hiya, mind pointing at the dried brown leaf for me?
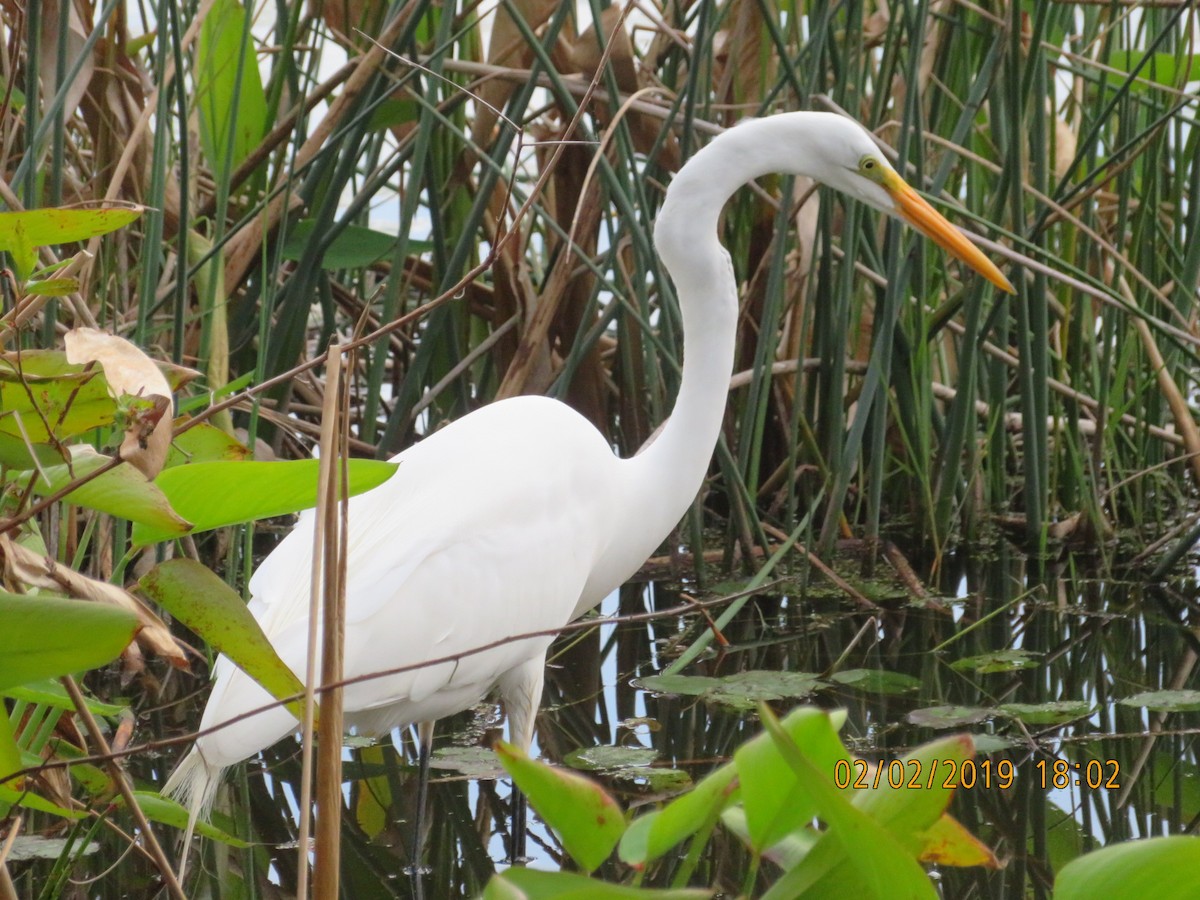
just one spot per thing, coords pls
(130, 371)
(32, 569)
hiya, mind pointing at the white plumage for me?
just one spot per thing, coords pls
(518, 517)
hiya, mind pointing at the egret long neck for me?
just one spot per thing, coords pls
(668, 473)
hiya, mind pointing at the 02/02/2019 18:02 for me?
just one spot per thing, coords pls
(860, 774)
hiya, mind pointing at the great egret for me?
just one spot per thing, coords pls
(519, 517)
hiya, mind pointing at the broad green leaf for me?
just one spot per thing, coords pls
(123, 491)
(775, 800)
(836, 866)
(48, 227)
(10, 797)
(214, 494)
(229, 91)
(10, 753)
(372, 797)
(204, 443)
(40, 403)
(163, 809)
(51, 693)
(1160, 68)
(52, 287)
(355, 247)
(52, 397)
(211, 608)
(532, 884)
(915, 790)
(587, 820)
(15, 453)
(1164, 868)
(43, 637)
(21, 233)
(652, 835)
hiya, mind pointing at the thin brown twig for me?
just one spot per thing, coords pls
(165, 869)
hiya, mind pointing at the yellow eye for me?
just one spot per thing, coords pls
(871, 167)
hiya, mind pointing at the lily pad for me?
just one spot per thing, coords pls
(606, 759)
(1165, 701)
(687, 685)
(998, 661)
(742, 690)
(877, 681)
(629, 764)
(1055, 712)
(474, 762)
(949, 716)
(993, 743)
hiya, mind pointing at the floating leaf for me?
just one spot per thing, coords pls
(1054, 712)
(877, 681)
(949, 716)
(998, 661)
(605, 758)
(1165, 701)
(993, 743)
(629, 764)
(43, 637)
(587, 820)
(688, 685)
(212, 609)
(214, 494)
(742, 690)
(474, 762)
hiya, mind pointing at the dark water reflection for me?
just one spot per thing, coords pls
(1084, 639)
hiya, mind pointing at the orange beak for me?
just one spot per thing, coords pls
(927, 220)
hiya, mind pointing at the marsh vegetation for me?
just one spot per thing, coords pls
(935, 506)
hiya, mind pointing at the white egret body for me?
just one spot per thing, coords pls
(519, 517)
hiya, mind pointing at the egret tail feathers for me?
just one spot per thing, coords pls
(194, 784)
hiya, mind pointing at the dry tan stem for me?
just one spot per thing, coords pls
(330, 545)
(1180, 411)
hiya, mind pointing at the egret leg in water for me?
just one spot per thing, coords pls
(518, 517)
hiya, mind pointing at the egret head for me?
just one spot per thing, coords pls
(849, 161)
